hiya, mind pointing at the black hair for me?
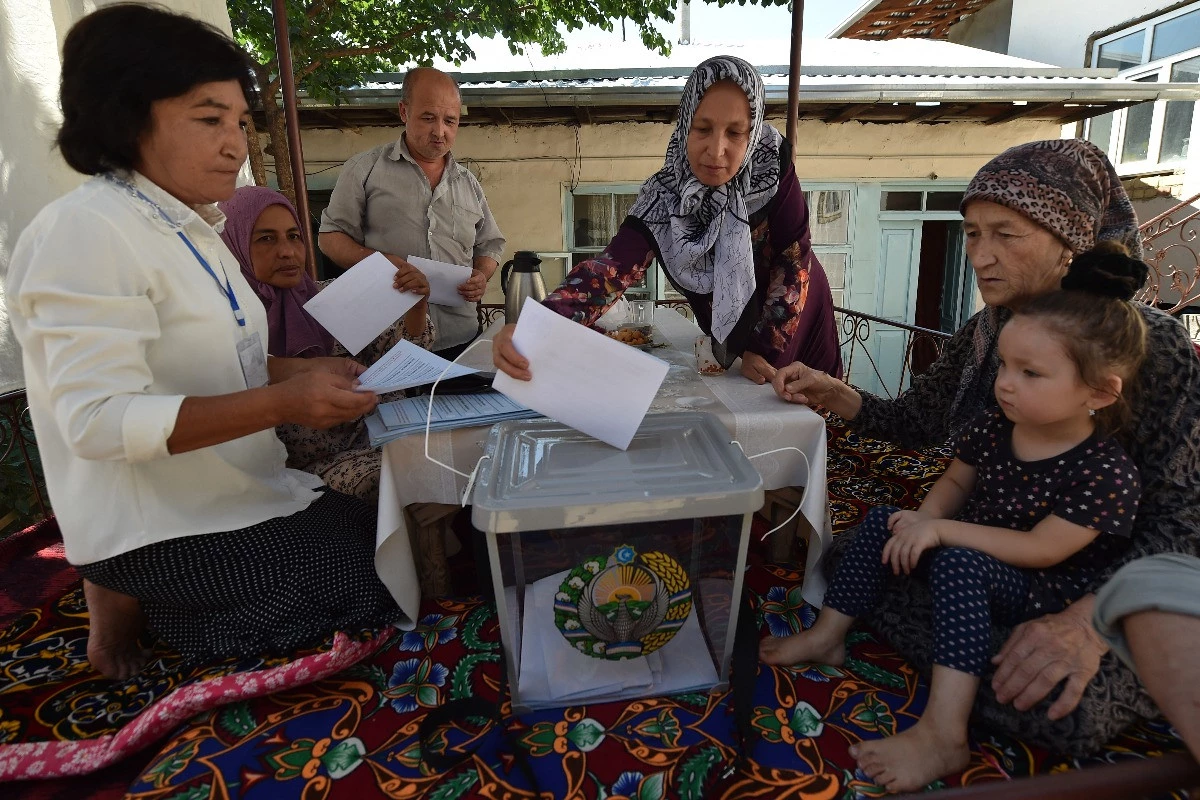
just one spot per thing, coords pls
(1093, 318)
(119, 60)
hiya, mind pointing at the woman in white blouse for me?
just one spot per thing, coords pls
(151, 394)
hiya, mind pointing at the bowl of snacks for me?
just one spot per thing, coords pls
(634, 336)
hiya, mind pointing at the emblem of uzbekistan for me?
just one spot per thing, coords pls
(624, 605)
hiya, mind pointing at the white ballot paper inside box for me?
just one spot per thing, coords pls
(406, 365)
(361, 304)
(444, 280)
(582, 378)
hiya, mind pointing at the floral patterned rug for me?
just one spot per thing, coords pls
(352, 727)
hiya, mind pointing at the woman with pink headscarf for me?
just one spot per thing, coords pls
(262, 230)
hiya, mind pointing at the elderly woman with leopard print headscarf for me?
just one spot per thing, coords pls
(1026, 214)
(726, 218)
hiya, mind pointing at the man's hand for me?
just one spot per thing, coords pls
(906, 546)
(472, 288)
(408, 278)
(1042, 653)
(757, 368)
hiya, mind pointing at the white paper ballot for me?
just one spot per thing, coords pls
(407, 365)
(444, 280)
(582, 378)
(361, 304)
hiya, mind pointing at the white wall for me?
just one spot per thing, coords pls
(1057, 32)
(31, 172)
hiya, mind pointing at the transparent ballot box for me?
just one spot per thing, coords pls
(618, 574)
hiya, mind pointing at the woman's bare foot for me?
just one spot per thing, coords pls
(116, 622)
(807, 647)
(910, 761)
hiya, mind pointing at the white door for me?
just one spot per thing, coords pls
(895, 301)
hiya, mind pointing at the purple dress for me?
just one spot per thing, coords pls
(792, 314)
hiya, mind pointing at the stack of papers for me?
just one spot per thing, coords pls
(554, 674)
(403, 417)
(406, 365)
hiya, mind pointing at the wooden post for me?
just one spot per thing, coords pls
(287, 82)
(793, 107)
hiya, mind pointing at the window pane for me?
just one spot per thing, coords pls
(1177, 123)
(1122, 53)
(1176, 35)
(621, 205)
(900, 201)
(593, 220)
(943, 201)
(829, 216)
(1099, 131)
(1138, 120)
(835, 268)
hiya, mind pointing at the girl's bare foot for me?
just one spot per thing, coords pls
(910, 761)
(115, 623)
(807, 647)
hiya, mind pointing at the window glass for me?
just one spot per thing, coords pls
(1099, 130)
(1122, 53)
(1138, 120)
(835, 268)
(1177, 121)
(593, 220)
(829, 216)
(900, 201)
(1176, 35)
(943, 201)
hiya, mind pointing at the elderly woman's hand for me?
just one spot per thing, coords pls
(506, 358)
(757, 368)
(798, 383)
(321, 398)
(1042, 653)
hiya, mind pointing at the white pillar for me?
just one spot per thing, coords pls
(32, 173)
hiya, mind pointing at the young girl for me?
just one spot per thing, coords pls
(1038, 499)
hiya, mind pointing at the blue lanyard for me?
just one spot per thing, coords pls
(227, 289)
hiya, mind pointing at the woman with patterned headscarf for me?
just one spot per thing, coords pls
(726, 218)
(1027, 213)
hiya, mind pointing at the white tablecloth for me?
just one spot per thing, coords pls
(754, 416)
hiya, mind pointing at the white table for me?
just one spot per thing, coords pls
(754, 416)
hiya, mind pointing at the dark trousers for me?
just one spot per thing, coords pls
(969, 590)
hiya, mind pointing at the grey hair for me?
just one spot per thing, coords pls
(413, 75)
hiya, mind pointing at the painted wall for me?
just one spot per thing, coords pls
(31, 172)
(527, 171)
(1051, 32)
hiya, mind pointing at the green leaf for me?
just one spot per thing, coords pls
(456, 786)
(460, 684)
(874, 674)
(202, 792)
(653, 787)
(806, 721)
(474, 624)
(695, 771)
(237, 719)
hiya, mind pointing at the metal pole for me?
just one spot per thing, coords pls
(793, 110)
(287, 82)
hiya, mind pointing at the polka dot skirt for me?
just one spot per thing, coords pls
(274, 587)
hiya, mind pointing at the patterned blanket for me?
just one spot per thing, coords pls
(345, 719)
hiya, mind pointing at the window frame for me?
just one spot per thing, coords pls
(819, 250)
(652, 288)
(1162, 68)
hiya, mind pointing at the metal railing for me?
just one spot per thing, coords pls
(22, 479)
(1171, 246)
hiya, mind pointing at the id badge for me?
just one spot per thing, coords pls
(254, 363)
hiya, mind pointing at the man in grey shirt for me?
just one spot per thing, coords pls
(411, 198)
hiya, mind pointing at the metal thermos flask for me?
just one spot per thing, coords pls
(521, 278)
